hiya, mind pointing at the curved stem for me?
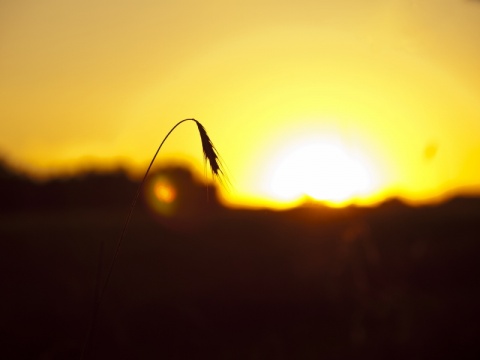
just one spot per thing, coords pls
(132, 206)
(119, 241)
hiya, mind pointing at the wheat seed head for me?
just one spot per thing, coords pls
(209, 151)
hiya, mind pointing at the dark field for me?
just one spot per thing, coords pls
(391, 282)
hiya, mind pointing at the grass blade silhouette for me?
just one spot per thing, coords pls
(210, 155)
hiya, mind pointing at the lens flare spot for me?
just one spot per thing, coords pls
(161, 195)
(164, 192)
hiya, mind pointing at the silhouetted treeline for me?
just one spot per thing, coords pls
(95, 190)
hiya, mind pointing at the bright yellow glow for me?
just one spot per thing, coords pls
(102, 82)
(322, 169)
(164, 192)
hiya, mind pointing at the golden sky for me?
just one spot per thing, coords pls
(384, 93)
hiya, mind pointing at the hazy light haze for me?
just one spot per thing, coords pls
(394, 82)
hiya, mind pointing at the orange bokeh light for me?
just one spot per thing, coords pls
(164, 192)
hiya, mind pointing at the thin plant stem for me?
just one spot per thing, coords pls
(210, 154)
(132, 206)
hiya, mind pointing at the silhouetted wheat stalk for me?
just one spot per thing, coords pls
(210, 155)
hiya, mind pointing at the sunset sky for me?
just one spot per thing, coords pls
(341, 101)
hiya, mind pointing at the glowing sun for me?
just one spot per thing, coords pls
(322, 169)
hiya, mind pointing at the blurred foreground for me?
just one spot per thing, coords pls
(202, 281)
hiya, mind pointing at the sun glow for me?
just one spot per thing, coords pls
(322, 169)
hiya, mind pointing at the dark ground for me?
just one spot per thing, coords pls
(391, 282)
